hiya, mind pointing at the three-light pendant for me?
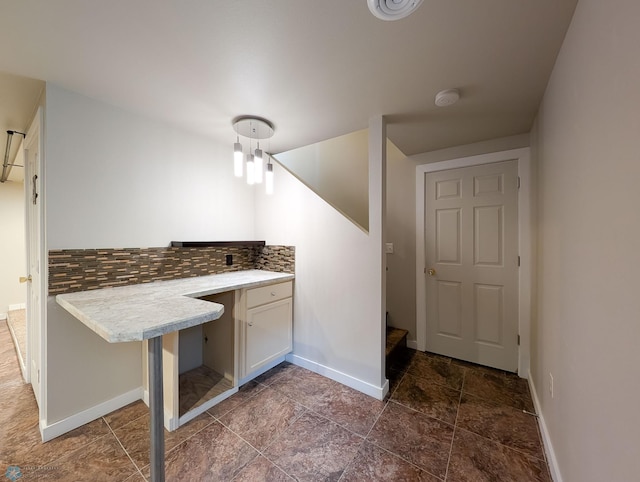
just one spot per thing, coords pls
(254, 128)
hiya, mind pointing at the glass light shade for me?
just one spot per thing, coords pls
(258, 166)
(250, 170)
(268, 179)
(237, 159)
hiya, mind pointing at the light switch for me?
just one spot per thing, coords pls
(388, 248)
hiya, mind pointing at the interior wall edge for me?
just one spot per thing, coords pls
(552, 460)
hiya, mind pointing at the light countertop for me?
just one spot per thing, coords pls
(143, 311)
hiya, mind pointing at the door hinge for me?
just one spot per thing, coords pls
(518, 261)
(518, 182)
(518, 340)
(34, 189)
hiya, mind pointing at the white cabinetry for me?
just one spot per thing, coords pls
(207, 363)
(199, 364)
(267, 328)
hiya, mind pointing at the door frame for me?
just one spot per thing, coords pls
(36, 128)
(525, 231)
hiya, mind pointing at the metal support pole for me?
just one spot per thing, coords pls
(156, 406)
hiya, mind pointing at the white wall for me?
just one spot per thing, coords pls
(336, 169)
(401, 221)
(588, 308)
(338, 291)
(115, 179)
(12, 246)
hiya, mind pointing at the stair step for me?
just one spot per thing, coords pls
(395, 337)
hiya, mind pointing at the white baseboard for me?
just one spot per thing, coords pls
(187, 417)
(261, 370)
(546, 439)
(3, 316)
(348, 380)
(171, 423)
(19, 306)
(49, 432)
(412, 344)
(21, 356)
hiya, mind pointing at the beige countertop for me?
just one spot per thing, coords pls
(143, 311)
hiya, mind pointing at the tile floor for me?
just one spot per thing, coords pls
(443, 420)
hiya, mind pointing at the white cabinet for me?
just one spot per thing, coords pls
(207, 363)
(199, 364)
(267, 328)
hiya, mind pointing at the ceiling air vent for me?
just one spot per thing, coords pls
(393, 9)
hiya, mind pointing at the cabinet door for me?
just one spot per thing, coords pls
(268, 334)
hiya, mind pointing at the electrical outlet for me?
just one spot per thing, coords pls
(551, 385)
(389, 248)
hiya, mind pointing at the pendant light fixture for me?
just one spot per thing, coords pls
(251, 170)
(259, 165)
(268, 178)
(254, 128)
(238, 158)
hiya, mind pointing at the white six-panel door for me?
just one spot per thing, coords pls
(33, 190)
(471, 237)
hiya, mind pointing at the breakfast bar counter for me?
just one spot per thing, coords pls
(143, 311)
(150, 310)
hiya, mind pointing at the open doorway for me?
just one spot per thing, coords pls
(19, 114)
(13, 258)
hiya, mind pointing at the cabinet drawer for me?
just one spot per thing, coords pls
(267, 294)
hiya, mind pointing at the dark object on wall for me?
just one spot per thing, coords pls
(214, 244)
(6, 167)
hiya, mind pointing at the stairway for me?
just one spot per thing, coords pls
(396, 341)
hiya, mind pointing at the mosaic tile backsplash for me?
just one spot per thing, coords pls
(89, 269)
(280, 259)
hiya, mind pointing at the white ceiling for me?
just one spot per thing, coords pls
(317, 69)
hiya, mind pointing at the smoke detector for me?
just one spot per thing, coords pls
(393, 9)
(447, 97)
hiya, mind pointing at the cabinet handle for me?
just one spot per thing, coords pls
(273, 293)
(250, 323)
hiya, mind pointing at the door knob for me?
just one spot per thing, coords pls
(431, 272)
(24, 280)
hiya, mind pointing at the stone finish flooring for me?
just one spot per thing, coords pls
(443, 420)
